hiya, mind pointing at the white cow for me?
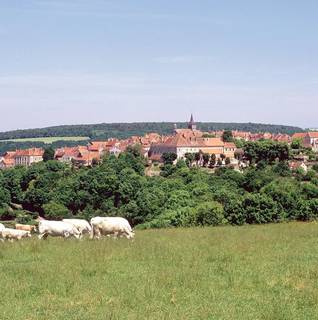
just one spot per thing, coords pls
(57, 229)
(2, 227)
(25, 227)
(107, 226)
(13, 234)
(82, 225)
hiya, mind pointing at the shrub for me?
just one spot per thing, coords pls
(24, 217)
(210, 214)
(4, 197)
(54, 210)
(233, 211)
(308, 210)
(181, 217)
(259, 208)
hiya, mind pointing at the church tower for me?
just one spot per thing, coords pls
(192, 126)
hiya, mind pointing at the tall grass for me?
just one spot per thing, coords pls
(252, 272)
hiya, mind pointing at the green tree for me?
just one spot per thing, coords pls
(210, 214)
(169, 157)
(227, 136)
(259, 209)
(212, 160)
(48, 154)
(53, 210)
(296, 144)
(206, 159)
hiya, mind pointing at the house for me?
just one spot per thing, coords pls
(241, 135)
(102, 146)
(309, 139)
(87, 157)
(80, 155)
(299, 135)
(28, 156)
(282, 138)
(7, 160)
(191, 140)
(66, 154)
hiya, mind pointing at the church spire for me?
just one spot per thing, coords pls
(192, 124)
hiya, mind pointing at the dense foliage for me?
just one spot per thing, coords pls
(181, 196)
(125, 130)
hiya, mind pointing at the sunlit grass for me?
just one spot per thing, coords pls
(252, 272)
(47, 140)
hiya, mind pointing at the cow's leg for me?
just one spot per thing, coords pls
(43, 236)
(97, 233)
(66, 235)
(115, 235)
(91, 235)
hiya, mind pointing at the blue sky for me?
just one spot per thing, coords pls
(80, 61)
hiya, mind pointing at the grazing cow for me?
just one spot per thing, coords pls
(57, 229)
(2, 227)
(82, 225)
(107, 226)
(25, 227)
(13, 234)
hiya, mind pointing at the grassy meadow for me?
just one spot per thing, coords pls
(251, 272)
(47, 140)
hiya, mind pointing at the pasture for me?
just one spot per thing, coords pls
(47, 140)
(251, 272)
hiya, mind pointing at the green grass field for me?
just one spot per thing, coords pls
(253, 272)
(47, 140)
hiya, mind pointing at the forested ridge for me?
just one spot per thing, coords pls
(125, 130)
(267, 191)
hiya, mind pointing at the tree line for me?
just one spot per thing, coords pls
(125, 130)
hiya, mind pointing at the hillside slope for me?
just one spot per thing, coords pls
(124, 130)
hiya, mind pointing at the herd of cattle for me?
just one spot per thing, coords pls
(98, 226)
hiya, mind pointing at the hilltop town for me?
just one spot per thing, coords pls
(222, 145)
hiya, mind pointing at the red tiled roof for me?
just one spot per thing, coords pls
(313, 134)
(299, 135)
(88, 156)
(29, 152)
(66, 151)
(229, 145)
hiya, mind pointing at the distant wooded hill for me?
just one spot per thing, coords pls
(125, 130)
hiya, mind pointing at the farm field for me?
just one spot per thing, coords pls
(251, 272)
(47, 140)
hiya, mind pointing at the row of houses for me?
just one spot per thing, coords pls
(308, 139)
(21, 157)
(154, 145)
(249, 136)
